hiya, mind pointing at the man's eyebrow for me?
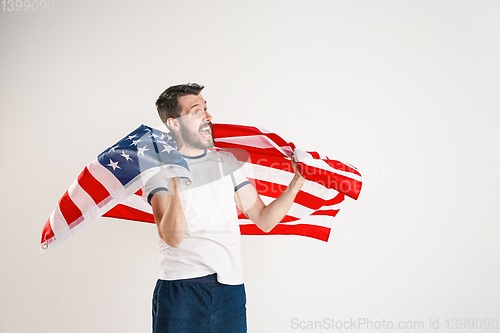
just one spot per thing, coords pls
(196, 106)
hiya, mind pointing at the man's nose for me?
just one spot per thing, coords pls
(208, 116)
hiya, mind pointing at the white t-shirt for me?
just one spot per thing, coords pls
(211, 242)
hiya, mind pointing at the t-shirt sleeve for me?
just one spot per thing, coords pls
(240, 179)
(155, 184)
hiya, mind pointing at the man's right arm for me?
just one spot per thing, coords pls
(168, 213)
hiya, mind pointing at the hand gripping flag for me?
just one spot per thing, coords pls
(110, 185)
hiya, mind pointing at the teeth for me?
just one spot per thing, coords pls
(205, 131)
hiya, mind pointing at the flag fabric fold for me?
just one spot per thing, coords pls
(266, 161)
(110, 185)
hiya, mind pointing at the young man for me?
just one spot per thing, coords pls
(200, 288)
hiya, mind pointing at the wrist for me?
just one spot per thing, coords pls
(297, 182)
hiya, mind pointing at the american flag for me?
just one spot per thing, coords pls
(110, 185)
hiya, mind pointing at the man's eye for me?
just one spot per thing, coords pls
(196, 113)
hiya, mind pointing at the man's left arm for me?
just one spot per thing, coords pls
(267, 217)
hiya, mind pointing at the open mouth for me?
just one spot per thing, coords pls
(206, 131)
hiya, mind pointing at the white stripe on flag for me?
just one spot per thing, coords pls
(57, 221)
(256, 141)
(81, 199)
(138, 203)
(284, 177)
(313, 221)
(104, 176)
(307, 158)
(298, 210)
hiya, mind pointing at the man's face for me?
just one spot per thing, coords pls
(196, 127)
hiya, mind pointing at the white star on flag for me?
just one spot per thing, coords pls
(113, 164)
(112, 149)
(140, 151)
(127, 157)
(167, 148)
(135, 142)
(132, 136)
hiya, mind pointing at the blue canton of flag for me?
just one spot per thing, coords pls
(141, 150)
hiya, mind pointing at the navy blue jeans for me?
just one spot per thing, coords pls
(185, 307)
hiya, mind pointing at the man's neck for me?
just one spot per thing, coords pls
(190, 150)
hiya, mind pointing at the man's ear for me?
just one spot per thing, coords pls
(173, 124)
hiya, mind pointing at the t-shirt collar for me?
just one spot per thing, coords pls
(196, 157)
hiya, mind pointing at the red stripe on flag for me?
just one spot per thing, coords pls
(314, 155)
(121, 211)
(69, 210)
(92, 186)
(269, 157)
(227, 131)
(327, 212)
(286, 218)
(268, 189)
(274, 190)
(314, 202)
(47, 232)
(341, 166)
(318, 232)
(255, 151)
(346, 185)
(222, 130)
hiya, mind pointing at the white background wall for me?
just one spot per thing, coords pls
(408, 91)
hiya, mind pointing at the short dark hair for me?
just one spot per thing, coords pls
(168, 105)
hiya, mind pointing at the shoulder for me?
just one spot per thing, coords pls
(223, 156)
(231, 155)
